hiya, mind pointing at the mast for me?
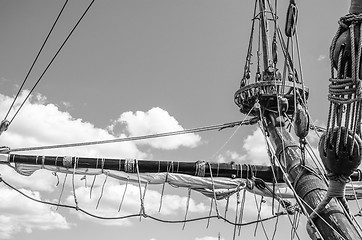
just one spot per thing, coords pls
(310, 187)
(263, 99)
(264, 34)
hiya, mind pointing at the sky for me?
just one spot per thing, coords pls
(134, 68)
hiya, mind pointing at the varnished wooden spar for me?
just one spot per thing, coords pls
(311, 188)
(228, 170)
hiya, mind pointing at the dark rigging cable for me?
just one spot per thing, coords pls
(52, 60)
(127, 139)
(139, 214)
(36, 58)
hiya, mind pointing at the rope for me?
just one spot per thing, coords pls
(336, 189)
(187, 207)
(36, 58)
(249, 54)
(298, 199)
(61, 192)
(213, 189)
(258, 206)
(73, 183)
(91, 189)
(248, 121)
(241, 214)
(142, 210)
(52, 60)
(124, 194)
(143, 137)
(136, 215)
(102, 190)
(236, 213)
(269, 147)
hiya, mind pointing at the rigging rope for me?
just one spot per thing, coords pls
(36, 58)
(127, 139)
(340, 147)
(52, 60)
(144, 215)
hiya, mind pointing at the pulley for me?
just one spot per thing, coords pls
(283, 104)
(301, 122)
(291, 20)
(4, 126)
(342, 49)
(275, 49)
(336, 154)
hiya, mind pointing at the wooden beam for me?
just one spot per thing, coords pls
(228, 170)
(264, 34)
(310, 187)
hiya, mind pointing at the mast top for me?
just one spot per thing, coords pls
(272, 91)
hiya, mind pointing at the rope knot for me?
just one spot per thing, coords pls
(4, 149)
(129, 165)
(67, 162)
(200, 168)
(4, 126)
(349, 19)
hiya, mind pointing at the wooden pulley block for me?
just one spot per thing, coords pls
(344, 162)
(291, 21)
(283, 104)
(301, 122)
(343, 46)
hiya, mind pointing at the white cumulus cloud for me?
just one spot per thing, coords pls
(254, 151)
(112, 196)
(21, 214)
(41, 123)
(154, 121)
(208, 238)
(321, 57)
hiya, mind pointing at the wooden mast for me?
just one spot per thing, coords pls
(264, 34)
(309, 186)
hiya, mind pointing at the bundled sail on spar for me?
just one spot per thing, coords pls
(218, 180)
(276, 98)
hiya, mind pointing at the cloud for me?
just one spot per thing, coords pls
(208, 238)
(251, 205)
(154, 121)
(255, 147)
(41, 180)
(41, 123)
(321, 57)
(21, 214)
(110, 201)
(254, 151)
(231, 156)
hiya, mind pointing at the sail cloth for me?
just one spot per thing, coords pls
(222, 186)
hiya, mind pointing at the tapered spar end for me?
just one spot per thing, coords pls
(4, 158)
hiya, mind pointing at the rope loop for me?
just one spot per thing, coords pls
(129, 166)
(350, 19)
(67, 162)
(200, 168)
